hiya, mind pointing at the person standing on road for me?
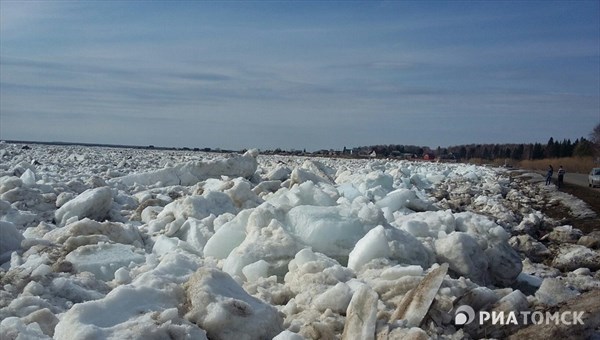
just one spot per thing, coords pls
(561, 175)
(549, 174)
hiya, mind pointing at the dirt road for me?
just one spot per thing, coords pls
(577, 179)
(571, 178)
(577, 185)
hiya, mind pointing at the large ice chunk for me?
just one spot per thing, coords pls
(300, 176)
(10, 240)
(221, 307)
(313, 273)
(128, 312)
(230, 235)
(335, 298)
(281, 173)
(16, 328)
(196, 233)
(572, 257)
(415, 305)
(427, 223)
(199, 207)
(504, 263)
(92, 203)
(242, 195)
(89, 231)
(402, 198)
(191, 173)
(8, 183)
(271, 243)
(28, 177)
(361, 315)
(464, 255)
(330, 230)
(307, 193)
(373, 245)
(104, 259)
(554, 291)
(389, 243)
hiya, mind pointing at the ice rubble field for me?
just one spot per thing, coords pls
(122, 243)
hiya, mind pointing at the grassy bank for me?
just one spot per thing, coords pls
(581, 165)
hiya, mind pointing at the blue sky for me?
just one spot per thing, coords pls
(307, 74)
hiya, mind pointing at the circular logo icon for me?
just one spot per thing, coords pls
(464, 315)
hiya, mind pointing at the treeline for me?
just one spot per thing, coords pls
(553, 149)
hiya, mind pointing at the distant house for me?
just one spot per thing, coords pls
(429, 157)
(364, 153)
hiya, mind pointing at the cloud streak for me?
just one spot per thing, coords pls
(297, 75)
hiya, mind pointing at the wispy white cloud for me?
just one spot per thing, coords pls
(325, 75)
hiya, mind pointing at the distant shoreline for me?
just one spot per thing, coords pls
(119, 146)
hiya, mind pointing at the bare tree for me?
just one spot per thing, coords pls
(595, 137)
